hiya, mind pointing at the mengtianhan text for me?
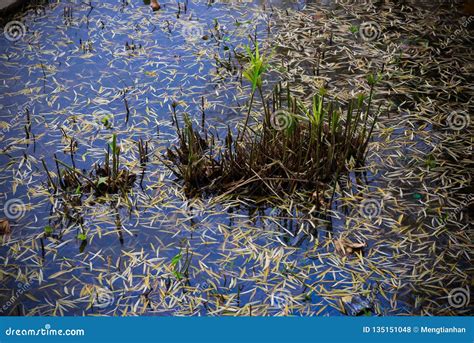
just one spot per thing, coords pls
(442, 329)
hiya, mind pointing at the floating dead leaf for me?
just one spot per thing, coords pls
(4, 226)
(347, 247)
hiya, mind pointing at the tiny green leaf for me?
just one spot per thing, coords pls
(176, 259)
(354, 29)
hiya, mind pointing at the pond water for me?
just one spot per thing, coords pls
(83, 72)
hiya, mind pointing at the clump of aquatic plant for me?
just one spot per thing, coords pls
(299, 147)
(189, 157)
(109, 177)
(106, 178)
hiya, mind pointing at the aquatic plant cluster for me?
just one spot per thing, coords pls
(103, 179)
(236, 159)
(296, 146)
